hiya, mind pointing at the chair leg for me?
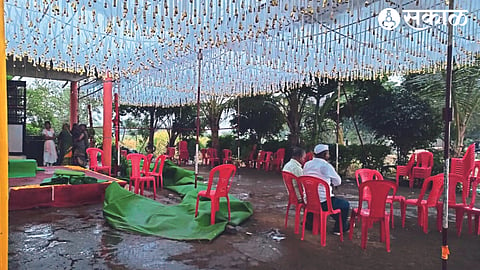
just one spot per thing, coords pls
(316, 221)
(364, 233)
(286, 215)
(425, 219)
(323, 229)
(387, 233)
(439, 216)
(196, 207)
(382, 230)
(213, 210)
(303, 225)
(411, 181)
(391, 214)
(341, 227)
(298, 211)
(469, 221)
(459, 220)
(154, 189)
(352, 224)
(403, 209)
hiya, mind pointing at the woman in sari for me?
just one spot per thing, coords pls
(65, 145)
(80, 144)
(49, 150)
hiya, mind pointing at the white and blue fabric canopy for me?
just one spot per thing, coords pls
(151, 47)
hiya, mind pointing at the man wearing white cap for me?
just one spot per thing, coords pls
(319, 167)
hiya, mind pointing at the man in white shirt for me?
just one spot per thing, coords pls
(319, 167)
(294, 166)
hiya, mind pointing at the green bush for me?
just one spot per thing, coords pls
(371, 156)
(438, 161)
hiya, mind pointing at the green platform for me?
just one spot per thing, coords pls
(22, 168)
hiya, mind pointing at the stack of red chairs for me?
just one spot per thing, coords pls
(213, 159)
(170, 153)
(250, 162)
(183, 154)
(278, 159)
(423, 168)
(406, 170)
(464, 166)
(204, 156)
(227, 156)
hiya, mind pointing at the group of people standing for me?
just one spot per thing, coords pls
(320, 167)
(72, 145)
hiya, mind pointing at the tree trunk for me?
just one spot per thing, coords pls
(151, 135)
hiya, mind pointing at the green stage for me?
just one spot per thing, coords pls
(18, 168)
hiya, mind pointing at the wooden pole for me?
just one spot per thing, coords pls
(338, 125)
(73, 103)
(3, 147)
(117, 132)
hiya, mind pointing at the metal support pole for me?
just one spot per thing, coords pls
(117, 132)
(447, 116)
(338, 125)
(198, 114)
(73, 103)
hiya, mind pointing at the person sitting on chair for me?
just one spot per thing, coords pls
(319, 167)
(294, 166)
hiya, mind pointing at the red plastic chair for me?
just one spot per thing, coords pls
(423, 168)
(406, 170)
(266, 161)
(308, 156)
(226, 172)
(376, 211)
(453, 180)
(227, 156)
(212, 157)
(158, 170)
(364, 175)
(278, 159)
(171, 153)
(93, 161)
(183, 154)
(136, 174)
(471, 210)
(204, 156)
(431, 201)
(146, 164)
(251, 157)
(288, 179)
(310, 187)
(464, 166)
(260, 159)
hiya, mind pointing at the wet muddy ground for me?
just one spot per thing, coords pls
(79, 238)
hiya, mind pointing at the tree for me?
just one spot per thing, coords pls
(46, 101)
(213, 109)
(465, 97)
(259, 118)
(398, 114)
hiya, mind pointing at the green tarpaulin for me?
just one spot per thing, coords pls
(128, 211)
(64, 177)
(22, 168)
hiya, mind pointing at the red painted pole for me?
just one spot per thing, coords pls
(107, 120)
(117, 131)
(73, 103)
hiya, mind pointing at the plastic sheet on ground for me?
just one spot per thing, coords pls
(125, 210)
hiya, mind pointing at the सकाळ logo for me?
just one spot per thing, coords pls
(389, 19)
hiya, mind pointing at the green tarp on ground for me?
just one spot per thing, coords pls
(22, 168)
(65, 177)
(125, 210)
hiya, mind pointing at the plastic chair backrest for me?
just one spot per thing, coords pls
(280, 155)
(171, 152)
(453, 180)
(159, 162)
(227, 153)
(226, 172)
(435, 192)
(261, 155)
(379, 191)
(212, 153)
(425, 159)
(474, 192)
(288, 179)
(252, 153)
(364, 175)
(182, 146)
(268, 156)
(135, 161)
(93, 157)
(410, 162)
(310, 188)
(146, 163)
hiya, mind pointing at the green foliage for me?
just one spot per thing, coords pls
(398, 114)
(228, 141)
(438, 161)
(274, 145)
(259, 118)
(46, 101)
(371, 156)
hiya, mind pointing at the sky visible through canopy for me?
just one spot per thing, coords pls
(251, 46)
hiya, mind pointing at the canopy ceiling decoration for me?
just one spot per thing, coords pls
(249, 47)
